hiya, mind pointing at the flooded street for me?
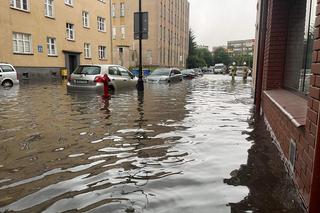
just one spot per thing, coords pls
(186, 147)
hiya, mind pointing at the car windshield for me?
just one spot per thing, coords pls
(88, 70)
(161, 72)
(218, 67)
(186, 71)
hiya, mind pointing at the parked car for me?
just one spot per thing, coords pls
(219, 69)
(87, 77)
(8, 75)
(168, 75)
(198, 71)
(188, 73)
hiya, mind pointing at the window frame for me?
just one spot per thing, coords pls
(101, 22)
(70, 31)
(87, 51)
(114, 33)
(50, 44)
(123, 31)
(102, 53)
(69, 2)
(14, 5)
(22, 41)
(113, 10)
(122, 9)
(85, 19)
(47, 6)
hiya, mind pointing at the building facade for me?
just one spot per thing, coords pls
(168, 39)
(43, 37)
(287, 88)
(241, 47)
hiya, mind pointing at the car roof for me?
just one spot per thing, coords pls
(102, 65)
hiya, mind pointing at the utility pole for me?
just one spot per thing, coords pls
(140, 85)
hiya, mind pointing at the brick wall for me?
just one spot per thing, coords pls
(275, 56)
(312, 126)
(284, 130)
(275, 44)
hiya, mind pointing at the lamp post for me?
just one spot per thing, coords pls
(140, 86)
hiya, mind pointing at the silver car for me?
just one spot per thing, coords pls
(87, 77)
(8, 75)
(165, 75)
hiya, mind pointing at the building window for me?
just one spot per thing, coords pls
(52, 46)
(123, 32)
(101, 24)
(48, 4)
(22, 43)
(70, 31)
(68, 2)
(114, 33)
(87, 50)
(85, 19)
(102, 52)
(300, 45)
(20, 4)
(122, 12)
(113, 10)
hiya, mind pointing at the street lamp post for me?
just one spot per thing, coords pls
(140, 86)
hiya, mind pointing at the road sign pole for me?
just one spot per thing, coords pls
(140, 86)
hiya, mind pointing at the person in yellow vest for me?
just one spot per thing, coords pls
(245, 71)
(233, 70)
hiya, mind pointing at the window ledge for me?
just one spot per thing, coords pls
(22, 10)
(292, 105)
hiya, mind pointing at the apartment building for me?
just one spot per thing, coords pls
(168, 40)
(241, 47)
(41, 37)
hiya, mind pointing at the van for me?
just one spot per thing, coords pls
(219, 69)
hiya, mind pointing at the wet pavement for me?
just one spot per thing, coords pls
(186, 147)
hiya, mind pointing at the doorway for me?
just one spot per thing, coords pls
(72, 60)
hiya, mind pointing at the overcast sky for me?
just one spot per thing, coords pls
(214, 22)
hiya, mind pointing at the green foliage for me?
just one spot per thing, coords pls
(192, 43)
(194, 61)
(220, 55)
(240, 59)
(198, 57)
(205, 55)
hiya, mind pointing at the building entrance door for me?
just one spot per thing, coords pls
(72, 60)
(121, 55)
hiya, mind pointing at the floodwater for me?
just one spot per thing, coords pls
(186, 147)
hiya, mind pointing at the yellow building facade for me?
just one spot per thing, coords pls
(168, 39)
(45, 36)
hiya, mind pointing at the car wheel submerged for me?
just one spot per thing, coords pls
(7, 83)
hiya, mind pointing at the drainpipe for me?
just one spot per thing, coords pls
(315, 184)
(260, 56)
(111, 40)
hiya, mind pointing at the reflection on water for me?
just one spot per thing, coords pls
(167, 150)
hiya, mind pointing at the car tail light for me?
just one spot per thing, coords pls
(98, 79)
(17, 75)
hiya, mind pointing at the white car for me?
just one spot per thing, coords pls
(8, 75)
(86, 77)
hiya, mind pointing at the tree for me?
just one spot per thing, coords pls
(204, 54)
(192, 43)
(220, 55)
(194, 61)
(240, 59)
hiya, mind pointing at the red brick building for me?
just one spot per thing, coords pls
(287, 89)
